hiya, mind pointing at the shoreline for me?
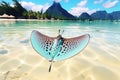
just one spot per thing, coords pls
(53, 20)
(26, 20)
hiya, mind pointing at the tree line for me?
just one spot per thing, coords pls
(18, 11)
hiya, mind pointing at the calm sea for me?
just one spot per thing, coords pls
(100, 60)
(98, 29)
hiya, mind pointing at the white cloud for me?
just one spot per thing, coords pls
(77, 11)
(110, 4)
(11, 5)
(46, 6)
(60, 0)
(57, 0)
(66, 0)
(98, 1)
(34, 7)
(80, 8)
(82, 3)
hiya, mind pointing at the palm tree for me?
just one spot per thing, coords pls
(19, 9)
(6, 8)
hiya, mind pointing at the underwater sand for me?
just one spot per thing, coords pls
(98, 61)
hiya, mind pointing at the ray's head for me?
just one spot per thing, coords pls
(60, 32)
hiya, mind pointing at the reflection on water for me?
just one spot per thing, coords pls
(99, 61)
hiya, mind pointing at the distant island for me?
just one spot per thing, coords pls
(54, 12)
(100, 15)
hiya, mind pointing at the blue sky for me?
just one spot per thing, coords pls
(75, 7)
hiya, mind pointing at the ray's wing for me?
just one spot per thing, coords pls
(72, 46)
(42, 44)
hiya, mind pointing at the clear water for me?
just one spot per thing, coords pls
(99, 61)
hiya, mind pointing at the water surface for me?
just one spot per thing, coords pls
(98, 61)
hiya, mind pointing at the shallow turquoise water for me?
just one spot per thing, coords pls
(99, 60)
(90, 26)
(111, 29)
(98, 29)
(107, 30)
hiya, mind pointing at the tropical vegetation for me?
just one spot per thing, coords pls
(55, 11)
(18, 11)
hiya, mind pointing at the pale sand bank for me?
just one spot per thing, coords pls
(25, 20)
(91, 64)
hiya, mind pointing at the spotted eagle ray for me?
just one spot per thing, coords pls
(58, 48)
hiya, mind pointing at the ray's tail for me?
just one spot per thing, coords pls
(50, 67)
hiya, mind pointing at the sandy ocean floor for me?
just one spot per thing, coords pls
(19, 61)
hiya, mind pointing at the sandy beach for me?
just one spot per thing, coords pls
(19, 61)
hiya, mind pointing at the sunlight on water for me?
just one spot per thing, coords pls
(98, 61)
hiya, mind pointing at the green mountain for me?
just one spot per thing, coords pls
(115, 15)
(85, 16)
(57, 12)
(101, 15)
